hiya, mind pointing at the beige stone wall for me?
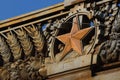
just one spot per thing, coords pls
(112, 74)
(71, 2)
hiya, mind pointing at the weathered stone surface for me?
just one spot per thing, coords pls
(66, 65)
(112, 74)
(72, 66)
(82, 75)
(71, 2)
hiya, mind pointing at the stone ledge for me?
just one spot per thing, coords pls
(71, 2)
(75, 63)
(85, 74)
(112, 74)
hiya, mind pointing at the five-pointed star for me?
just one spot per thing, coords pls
(73, 39)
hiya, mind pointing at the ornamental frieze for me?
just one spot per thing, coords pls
(70, 37)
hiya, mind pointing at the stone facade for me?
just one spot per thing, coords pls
(74, 40)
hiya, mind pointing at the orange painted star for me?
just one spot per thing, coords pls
(73, 39)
